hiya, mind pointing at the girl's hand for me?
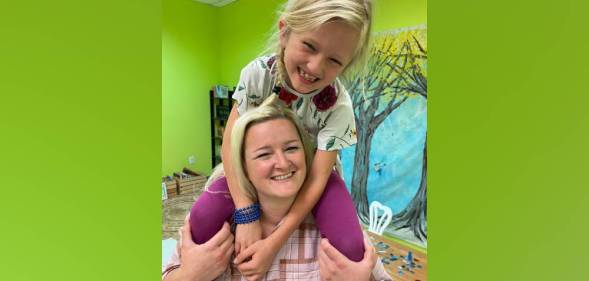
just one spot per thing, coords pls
(246, 235)
(254, 262)
(333, 265)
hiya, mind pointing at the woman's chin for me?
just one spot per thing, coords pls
(283, 189)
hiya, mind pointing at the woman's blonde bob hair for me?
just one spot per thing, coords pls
(307, 15)
(271, 109)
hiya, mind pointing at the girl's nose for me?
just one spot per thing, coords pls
(315, 65)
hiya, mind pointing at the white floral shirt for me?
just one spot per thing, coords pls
(327, 114)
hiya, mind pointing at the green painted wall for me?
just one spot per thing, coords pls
(203, 45)
(247, 24)
(390, 14)
(189, 69)
(244, 28)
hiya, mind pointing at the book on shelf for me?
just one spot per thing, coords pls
(221, 91)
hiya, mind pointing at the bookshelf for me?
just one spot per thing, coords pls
(221, 102)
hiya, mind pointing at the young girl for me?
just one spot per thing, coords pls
(317, 40)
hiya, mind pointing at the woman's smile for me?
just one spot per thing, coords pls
(283, 177)
(275, 159)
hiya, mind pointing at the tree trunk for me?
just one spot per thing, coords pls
(361, 169)
(414, 216)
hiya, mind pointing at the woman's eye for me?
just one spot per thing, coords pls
(263, 156)
(292, 148)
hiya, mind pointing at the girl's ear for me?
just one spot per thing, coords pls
(283, 33)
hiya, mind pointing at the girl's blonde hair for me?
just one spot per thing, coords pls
(270, 109)
(307, 15)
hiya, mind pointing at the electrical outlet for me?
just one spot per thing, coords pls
(191, 160)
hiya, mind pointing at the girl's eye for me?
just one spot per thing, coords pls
(336, 62)
(309, 46)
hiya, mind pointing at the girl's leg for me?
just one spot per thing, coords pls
(212, 208)
(337, 220)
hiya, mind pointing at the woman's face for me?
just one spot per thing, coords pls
(275, 159)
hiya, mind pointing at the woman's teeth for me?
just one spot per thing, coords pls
(283, 177)
(306, 76)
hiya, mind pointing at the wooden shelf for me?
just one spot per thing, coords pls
(220, 108)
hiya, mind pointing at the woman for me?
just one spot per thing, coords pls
(271, 159)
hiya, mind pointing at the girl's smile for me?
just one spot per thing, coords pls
(315, 58)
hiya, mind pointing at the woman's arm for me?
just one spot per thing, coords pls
(246, 234)
(192, 262)
(334, 266)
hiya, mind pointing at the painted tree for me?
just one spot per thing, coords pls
(395, 72)
(414, 216)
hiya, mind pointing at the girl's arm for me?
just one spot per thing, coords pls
(263, 252)
(245, 234)
(239, 200)
(308, 196)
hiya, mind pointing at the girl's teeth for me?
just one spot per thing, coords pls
(307, 76)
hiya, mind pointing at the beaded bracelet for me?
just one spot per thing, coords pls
(248, 214)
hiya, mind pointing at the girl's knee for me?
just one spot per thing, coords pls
(353, 249)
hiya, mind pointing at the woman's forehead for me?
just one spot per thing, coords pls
(271, 132)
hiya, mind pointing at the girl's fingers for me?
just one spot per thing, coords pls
(244, 255)
(246, 268)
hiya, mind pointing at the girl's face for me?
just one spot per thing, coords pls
(315, 58)
(275, 159)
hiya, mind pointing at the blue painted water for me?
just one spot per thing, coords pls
(396, 156)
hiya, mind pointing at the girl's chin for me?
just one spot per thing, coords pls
(302, 86)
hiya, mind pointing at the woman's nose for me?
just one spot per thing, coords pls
(281, 161)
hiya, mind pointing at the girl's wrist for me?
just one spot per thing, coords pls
(247, 214)
(276, 240)
(242, 203)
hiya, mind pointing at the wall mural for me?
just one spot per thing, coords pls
(388, 164)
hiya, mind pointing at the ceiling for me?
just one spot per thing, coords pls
(216, 3)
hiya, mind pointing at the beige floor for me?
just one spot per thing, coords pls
(175, 209)
(418, 273)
